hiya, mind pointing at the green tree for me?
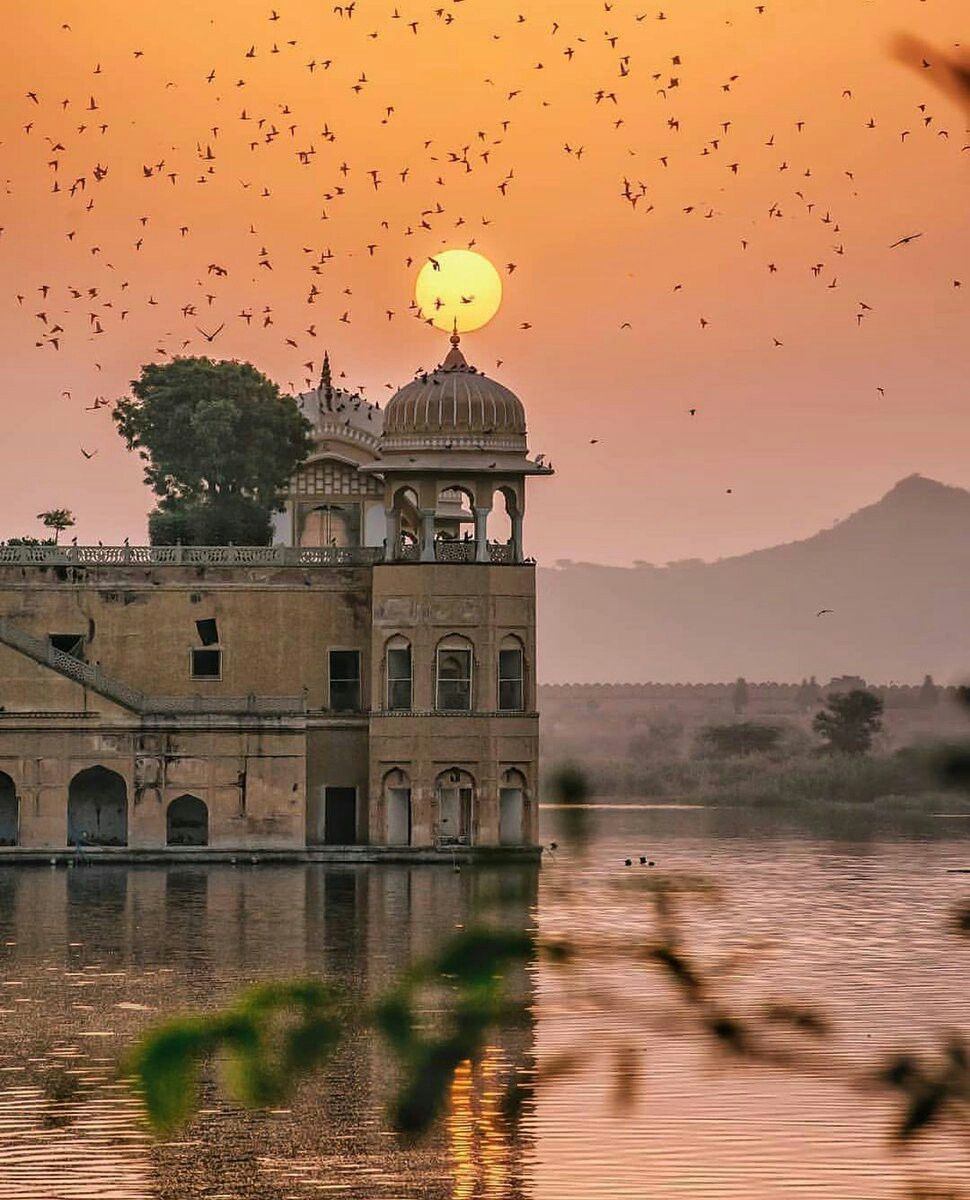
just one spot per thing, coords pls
(57, 519)
(220, 444)
(850, 721)
(740, 696)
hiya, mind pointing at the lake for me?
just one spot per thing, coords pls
(852, 917)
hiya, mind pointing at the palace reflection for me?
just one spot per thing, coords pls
(93, 954)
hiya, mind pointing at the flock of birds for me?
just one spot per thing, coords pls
(400, 211)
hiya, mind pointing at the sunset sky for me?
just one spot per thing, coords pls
(289, 168)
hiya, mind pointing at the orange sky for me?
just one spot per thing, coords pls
(799, 432)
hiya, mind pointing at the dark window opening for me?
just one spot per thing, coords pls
(9, 811)
(206, 664)
(208, 631)
(399, 678)
(510, 688)
(68, 643)
(345, 680)
(454, 680)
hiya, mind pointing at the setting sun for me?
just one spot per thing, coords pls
(458, 286)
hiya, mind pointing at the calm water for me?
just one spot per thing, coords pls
(854, 919)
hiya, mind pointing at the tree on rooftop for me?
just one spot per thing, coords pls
(219, 442)
(57, 519)
(850, 721)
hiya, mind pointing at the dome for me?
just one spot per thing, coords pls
(454, 399)
(336, 413)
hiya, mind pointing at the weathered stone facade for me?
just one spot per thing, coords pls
(325, 699)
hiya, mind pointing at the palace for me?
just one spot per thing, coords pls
(364, 688)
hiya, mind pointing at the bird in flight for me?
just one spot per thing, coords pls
(904, 241)
(88, 453)
(211, 337)
(822, 611)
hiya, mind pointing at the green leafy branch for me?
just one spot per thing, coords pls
(277, 1033)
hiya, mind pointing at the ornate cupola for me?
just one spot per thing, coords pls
(330, 503)
(453, 434)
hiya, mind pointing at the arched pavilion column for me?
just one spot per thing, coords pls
(427, 535)
(392, 540)
(481, 532)
(516, 518)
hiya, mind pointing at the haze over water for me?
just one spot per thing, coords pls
(856, 924)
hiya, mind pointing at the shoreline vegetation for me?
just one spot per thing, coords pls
(904, 780)
(849, 751)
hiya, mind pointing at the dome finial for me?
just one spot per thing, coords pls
(455, 360)
(326, 379)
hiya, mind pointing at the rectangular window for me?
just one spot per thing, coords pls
(399, 678)
(511, 693)
(345, 680)
(206, 664)
(454, 680)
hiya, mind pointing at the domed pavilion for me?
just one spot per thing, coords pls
(420, 479)
(453, 439)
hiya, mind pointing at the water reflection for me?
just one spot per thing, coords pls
(88, 956)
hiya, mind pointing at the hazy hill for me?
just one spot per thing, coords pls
(896, 574)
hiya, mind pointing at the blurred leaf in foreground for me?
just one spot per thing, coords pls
(270, 1036)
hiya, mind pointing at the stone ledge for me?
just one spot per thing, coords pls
(11, 856)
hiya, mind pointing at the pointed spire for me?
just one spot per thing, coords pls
(455, 360)
(326, 380)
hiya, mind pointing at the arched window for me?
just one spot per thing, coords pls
(454, 808)
(9, 811)
(398, 671)
(397, 802)
(511, 675)
(97, 809)
(187, 822)
(453, 675)
(512, 808)
(454, 518)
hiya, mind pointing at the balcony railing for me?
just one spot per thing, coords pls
(449, 551)
(240, 556)
(209, 556)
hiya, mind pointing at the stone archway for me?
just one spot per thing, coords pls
(97, 808)
(512, 799)
(9, 811)
(187, 822)
(454, 808)
(397, 803)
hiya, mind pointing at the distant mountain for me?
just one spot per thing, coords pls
(896, 575)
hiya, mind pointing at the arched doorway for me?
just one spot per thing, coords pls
(331, 524)
(187, 822)
(512, 808)
(9, 811)
(454, 808)
(97, 809)
(397, 800)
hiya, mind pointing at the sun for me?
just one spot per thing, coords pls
(458, 286)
